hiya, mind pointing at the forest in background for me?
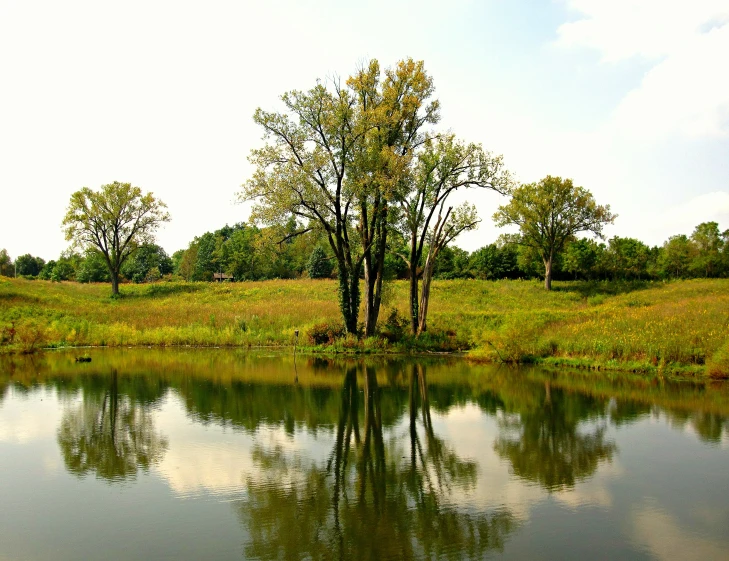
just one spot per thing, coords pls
(245, 252)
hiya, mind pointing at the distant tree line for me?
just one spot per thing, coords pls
(247, 252)
(704, 254)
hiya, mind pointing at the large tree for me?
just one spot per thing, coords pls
(551, 212)
(443, 166)
(116, 220)
(335, 158)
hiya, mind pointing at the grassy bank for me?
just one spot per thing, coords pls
(672, 327)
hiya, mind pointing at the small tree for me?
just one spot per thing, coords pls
(319, 266)
(580, 257)
(676, 256)
(115, 220)
(708, 244)
(7, 268)
(551, 212)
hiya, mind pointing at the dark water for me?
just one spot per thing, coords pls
(220, 455)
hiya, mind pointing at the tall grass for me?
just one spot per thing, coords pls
(648, 327)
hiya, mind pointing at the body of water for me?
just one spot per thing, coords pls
(213, 454)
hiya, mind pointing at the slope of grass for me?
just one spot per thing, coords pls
(647, 327)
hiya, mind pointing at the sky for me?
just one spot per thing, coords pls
(629, 98)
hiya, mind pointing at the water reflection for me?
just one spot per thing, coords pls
(548, 441)
(224, 456)
(369, 499)
(110, 433)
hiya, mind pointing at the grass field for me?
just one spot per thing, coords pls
(675, 327)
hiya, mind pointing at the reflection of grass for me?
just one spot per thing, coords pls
(647, 327)
(451, 382)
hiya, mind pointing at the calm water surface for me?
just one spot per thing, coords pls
(146, 454)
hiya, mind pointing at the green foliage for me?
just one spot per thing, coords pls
(27, 265)
(336, 158)
(718, 365)
(395, 327)
(453, 263)
(319, 266)
(581, 256)
(549, 213)
(92, 268)
(443, 166)
(325, 333)
(62, 270)
(676, 257)
(708, 245)
(147, 264)
(673, 326)
(115, 220)
(7, 268)
(626, 258)
(494, 261)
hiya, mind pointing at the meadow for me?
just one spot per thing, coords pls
(679, 327)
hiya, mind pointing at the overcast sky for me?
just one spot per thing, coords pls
(630, 98)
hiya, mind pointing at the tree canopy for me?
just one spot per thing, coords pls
(116, 220)
(336, 158)
(549, 213)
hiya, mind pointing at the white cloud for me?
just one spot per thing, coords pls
(667, 538)
(687, 93)
(687, 89)
(31, 419)
(623, 29)
(684, 216)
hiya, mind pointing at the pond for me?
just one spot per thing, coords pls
(217, 454)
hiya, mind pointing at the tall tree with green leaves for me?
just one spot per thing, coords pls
(301, 170)
(708, 244)
(116, 220)
(334, 159)
(676, 256)
(551, 212)
(443, 166)
(395, 111)
(627, 258)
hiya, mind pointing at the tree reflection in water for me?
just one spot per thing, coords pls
(546, 443)
(110, 434)
(371, 499)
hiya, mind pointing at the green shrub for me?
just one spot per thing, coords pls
(325, 333)
(395, 327)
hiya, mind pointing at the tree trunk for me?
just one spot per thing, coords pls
(425, 293)
(414, 307)
(373, 290)
(374, 264)
(348, 297)
(114, 283)
(548, 273)
(413, 300)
